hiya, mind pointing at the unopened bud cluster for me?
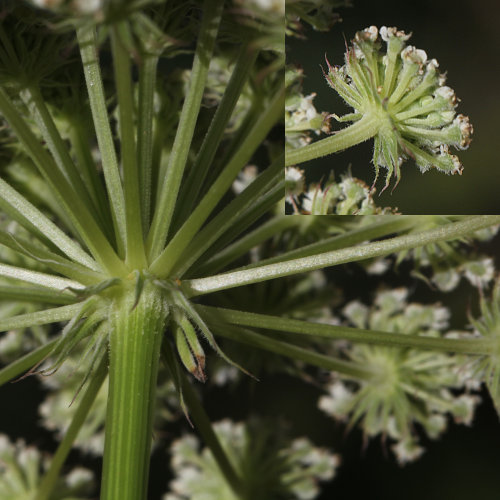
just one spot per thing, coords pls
(396, 83)
(349, 196)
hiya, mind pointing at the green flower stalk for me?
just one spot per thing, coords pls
(399, 99)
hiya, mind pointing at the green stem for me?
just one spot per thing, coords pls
(89, 52)
(134, 347)
(206, 154)
(212, 12)
(334, 332)
(34, 101)
(62, 190)
(385, 225)
(51, 478)
(26, 214)
(35, 294)
(276, 225)
(227, 217)
(347, 368)
(358, 132)
(252, 115)
(134, 244)
(52, 260)
(166, 261)
(54, 315)
(233, 279)
(147, 81)
(37, 278)
(79, 134)
(263, 204)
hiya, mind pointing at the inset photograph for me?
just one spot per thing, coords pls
(390, 108)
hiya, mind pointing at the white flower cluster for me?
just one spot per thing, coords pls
(350, 196)
(269, 466)
(22, 468)
(408, 386)
(301, 117)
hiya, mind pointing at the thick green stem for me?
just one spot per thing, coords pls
(336, 257)
(361, 131)
(49, 482)
(134, 347)
(212, 12)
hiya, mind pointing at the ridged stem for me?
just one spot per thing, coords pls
(134, 347)
(447, 232)
(358, 132)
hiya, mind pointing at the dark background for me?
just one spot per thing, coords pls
(463, 36)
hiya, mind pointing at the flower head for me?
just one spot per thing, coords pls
(269, 465)
(488, 326)
(408, 386)
(22, 468)
(350, 196)
(403, 90)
